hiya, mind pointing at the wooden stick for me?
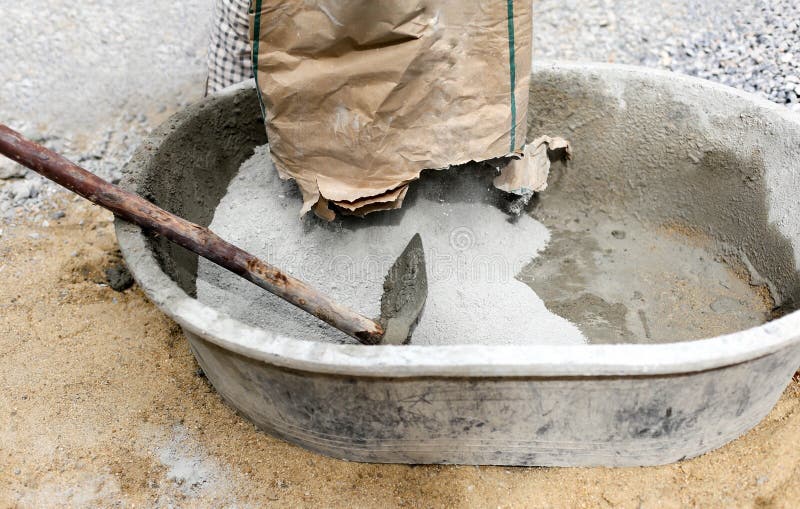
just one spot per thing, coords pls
(199, 240)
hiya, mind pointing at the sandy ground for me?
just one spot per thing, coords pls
(103, 405)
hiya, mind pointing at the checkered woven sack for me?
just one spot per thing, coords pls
(229, 60)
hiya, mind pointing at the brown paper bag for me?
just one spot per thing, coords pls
(361, 95)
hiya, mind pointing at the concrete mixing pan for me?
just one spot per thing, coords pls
(674, 244)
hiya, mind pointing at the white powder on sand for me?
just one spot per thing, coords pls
(472, 248)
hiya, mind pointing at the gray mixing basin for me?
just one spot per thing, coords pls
(657, 147)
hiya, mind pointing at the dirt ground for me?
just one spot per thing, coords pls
(103, 405)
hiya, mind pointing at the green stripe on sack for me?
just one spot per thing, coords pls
(256, 38)
(512, 66)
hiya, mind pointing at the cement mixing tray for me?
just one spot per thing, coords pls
(674, 250)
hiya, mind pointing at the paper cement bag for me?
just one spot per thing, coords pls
(360, 96)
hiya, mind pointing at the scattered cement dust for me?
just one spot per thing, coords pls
(190, 466)
(87, 490)
(473, 254)
(100, 390)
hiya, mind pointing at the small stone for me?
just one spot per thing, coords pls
(24, 189)
(11, 170)
(618, 234)
(59, 214)
(119, 277)
(725, 305)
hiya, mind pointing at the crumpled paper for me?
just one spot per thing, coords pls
(528, 172)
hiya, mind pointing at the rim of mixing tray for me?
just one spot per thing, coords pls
(454, 360)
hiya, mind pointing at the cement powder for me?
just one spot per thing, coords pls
(473, 253)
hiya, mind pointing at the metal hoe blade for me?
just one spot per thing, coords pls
(405, 290)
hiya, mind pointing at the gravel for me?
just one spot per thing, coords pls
(90, 79)
(101, 74)
(753, 46)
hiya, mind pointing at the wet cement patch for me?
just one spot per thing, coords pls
(685, 194)
(622, 281)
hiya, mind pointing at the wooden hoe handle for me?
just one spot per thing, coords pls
(198, 239)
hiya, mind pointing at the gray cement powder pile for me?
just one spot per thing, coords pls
(473, 253)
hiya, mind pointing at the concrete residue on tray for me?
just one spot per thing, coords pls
(473, 252)
(622, 281)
